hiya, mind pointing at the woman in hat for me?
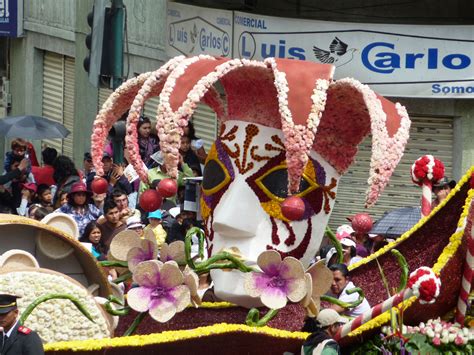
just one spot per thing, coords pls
(442, 190)
(78, 206)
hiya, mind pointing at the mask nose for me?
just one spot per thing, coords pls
(236, 216)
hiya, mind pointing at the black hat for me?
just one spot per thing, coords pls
(7, 303)
(444, 181)
(87, 156)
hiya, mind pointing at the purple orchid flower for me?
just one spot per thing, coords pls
(161, 290)
(279, 281)
(146, 251)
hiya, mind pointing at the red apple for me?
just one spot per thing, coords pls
(150, 200)
(293, 208)
(362, 223)
(99, 185)
(167, 187)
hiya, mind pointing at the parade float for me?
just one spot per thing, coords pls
(288, 132)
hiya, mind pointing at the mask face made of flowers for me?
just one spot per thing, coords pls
(245, 181)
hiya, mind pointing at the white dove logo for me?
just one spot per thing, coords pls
(338, 54)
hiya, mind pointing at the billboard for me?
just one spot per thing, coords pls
(195, 30)
(11, 18)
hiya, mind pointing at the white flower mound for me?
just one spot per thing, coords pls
(57, 319)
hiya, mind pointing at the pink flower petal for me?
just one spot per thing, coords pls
(171, 275)
(296, 289)
(147, 273)
(291, 268)
(269, 261)
(273, 298)
(162, 310)
(255, 283)
(138, 298)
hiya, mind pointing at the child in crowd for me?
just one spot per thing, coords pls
(44, 196)
(19, 147)
(28, 194)
(155, 226)
(134, 223)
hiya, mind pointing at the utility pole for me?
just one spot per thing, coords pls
(117, 30)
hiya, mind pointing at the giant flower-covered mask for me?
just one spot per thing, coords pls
(287, 129)
(245, 182)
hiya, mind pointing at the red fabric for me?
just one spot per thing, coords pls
(32, 155)
(43, 175)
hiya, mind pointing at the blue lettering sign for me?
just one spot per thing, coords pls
(387, 62)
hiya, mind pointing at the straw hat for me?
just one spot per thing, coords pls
(16, 258)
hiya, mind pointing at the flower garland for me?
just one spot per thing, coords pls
(298, 138)
(167, 125)
(453, 245)
(117, 103)
(202, 89)
(151, 87)
(172, 336)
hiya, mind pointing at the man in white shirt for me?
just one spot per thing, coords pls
(340, 285)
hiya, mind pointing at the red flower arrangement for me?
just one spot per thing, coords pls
(427, 168)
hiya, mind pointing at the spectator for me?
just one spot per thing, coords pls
(121, 199)
(28, 194)
(91, 238)
(44, 174)
(112, 224)
(159, 173)
(323, 329)
(15, 172)
(88, 166)
(340, 285)
(12, 195)
(148, 143)
(19, 148)
(197, 144)
(349, 252)
(113, 174)
(135, 224)
(44, 196)
(154, 219)
(38, 213)
(99, 200)
(65, 175)
(442, 190)
(189, 157)
(62, 200)
(78, 206)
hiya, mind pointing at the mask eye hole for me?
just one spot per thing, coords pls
(215, 177)
(275, 184)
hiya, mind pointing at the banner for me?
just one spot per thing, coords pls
(11, 18)
(195, 30)
(394, 60)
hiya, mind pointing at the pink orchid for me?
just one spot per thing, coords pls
(146, 251)
(278, 281)
(174, 251)
(160, 292)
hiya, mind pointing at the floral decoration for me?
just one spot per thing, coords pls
(114, 107)
(454, 242)
(160, 292)
(425, 285)
(427, 168)
(318, 280)
(148, 250)
(279, 281)
(151, 87)
(64, 320)
(173, 251)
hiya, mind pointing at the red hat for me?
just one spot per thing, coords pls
(29, 186)
(79, 187)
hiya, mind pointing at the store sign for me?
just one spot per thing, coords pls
(11, 18)
(395, 60)
(195, 30)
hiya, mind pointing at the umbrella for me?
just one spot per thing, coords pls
(31, 127)
(396, 222)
